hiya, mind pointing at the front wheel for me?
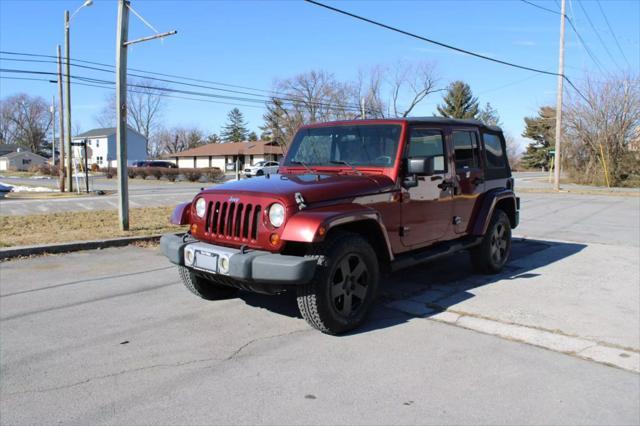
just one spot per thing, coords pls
(344, 287)
(493, 252)
(204, 288)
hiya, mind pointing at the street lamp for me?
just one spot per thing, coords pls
(67, 21)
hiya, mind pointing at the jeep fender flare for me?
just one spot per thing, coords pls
(313, 225)
(504, 199)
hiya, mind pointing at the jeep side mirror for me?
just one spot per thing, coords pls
(420, 166)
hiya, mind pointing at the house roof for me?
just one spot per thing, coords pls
(8, 147)
(232, 148)
(19, 154)
(102, 132)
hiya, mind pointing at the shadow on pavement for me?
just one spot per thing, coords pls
(449, 279)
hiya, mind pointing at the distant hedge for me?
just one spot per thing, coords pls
(192, 175)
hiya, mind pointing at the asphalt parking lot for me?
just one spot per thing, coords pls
(111, 337)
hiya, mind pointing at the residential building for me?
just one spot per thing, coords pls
(21, 160)
(7, 148)
(224, 155)
(101, 146)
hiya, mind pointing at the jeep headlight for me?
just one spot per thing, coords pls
(276, 214)
(201, 206)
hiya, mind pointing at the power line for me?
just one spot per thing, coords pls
(613, 34)
(595, 30)
(445, 45)
(593, 57)
(156, 88)
(271, 93)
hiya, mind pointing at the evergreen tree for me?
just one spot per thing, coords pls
(489, 115)
(542, 130)
(252, 136)
(459, 102)
(236, 128)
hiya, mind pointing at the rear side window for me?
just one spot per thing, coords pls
(466, 149)
(428, 143)
(495, 155)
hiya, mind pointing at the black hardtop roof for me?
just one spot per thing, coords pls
(452, 121)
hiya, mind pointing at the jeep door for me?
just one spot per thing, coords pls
(427, 208)
(469, 176)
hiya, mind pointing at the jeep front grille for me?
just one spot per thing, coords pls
(235, 220)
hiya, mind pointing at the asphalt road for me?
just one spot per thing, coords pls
(112, 337)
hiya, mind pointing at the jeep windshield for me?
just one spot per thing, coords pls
(373, 145)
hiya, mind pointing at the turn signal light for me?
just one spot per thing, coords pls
(321, 231)
(194, 228)
(274, 239)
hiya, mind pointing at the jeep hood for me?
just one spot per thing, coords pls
(314, 188)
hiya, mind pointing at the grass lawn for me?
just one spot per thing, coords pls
(83, 226)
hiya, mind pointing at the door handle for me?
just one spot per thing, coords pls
(433, 178)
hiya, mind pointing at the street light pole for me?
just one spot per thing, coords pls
(61, 118)
(68, 90)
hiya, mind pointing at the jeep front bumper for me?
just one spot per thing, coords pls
(249, 265)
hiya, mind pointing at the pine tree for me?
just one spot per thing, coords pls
(459, 102)
(252, 136)
(236, 128)
(489, 115)
(542, 130)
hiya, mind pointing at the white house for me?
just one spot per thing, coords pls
(21, 160)
(101, 146)
(224, 155)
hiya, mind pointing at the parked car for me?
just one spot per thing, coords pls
(262, 168)
(353, 200)
(140, 164)
(162, 164)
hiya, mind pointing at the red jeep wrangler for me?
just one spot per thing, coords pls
(352, 199)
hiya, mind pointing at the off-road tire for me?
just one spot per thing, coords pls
(260, 173)
(205, 288)
(315, 300)
(484, 257)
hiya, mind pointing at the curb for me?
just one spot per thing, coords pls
(13, 252)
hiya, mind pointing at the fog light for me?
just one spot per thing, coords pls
(223, 264)
(188, 256)
(274, 239)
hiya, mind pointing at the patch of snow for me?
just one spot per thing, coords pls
(19, 188)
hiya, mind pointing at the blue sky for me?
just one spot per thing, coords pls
(251, 43)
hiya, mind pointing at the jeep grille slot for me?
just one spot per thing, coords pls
(234, 220)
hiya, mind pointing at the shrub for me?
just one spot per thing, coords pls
(141, 172)
(131, 171)
(156, 172)
(95, 167)
(171, 174)
(45, 169)
(192, 175)
(214, 174)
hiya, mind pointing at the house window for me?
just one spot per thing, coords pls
(97, 143)
(26, 161)
(99, 160)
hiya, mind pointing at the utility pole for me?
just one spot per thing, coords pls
(61, 117)
(362, 114)
(557, 158)
(68, 87)
(121, 106)
(121, 112)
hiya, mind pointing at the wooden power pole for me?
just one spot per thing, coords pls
(121, 102)
(61, 117)
(558, 150)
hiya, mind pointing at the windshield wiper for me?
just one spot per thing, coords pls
(346, 164)
(303, 164)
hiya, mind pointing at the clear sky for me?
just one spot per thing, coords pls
(251, 43)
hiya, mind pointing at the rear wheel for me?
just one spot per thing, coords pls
(344, 287)
(207, 289)
(493, 252)
(259, 172)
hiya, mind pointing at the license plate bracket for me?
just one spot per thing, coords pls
(206, 260)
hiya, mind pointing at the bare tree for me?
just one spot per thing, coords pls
(600, 128)
(178, 139)
(145, 103)
(25, 120)
(410, 85)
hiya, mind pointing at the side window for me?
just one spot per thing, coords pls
(428, 143)
(466, 149)
(493, 148)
